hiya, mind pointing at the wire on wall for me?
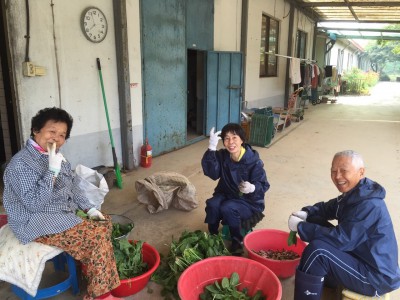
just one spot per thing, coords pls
(28, 29)
(56, 55)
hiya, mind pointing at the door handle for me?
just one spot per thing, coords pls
(234, 87)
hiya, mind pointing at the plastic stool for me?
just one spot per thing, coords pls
(226, 235)
(350, 295)
(59, 262)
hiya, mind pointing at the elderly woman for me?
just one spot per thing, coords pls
(238, 199)
(41, 197)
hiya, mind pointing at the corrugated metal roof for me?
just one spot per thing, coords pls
(377, 11)
(357, 11)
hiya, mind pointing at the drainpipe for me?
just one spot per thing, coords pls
(124, 92)
(243, 47)
(289, 53)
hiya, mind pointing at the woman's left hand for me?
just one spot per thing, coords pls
(246, 187)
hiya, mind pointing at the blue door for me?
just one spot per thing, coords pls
(223, 88)
(164, 73)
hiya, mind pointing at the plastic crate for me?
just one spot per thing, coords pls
(264, 111)
(261, 130)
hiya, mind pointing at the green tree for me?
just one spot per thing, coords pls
(382, 52)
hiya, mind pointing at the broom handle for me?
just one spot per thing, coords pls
(106, 109)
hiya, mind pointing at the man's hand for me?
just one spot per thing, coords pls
(294, 222)
(55, 159)
(214, 138)
(95, 214)
(246, 187)
(301, 214)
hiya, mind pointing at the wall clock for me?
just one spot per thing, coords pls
(94, 24)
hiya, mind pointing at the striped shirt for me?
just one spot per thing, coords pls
(35, 205)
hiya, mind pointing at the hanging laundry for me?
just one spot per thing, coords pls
(295, 70)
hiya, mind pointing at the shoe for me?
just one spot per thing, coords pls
(236, 248)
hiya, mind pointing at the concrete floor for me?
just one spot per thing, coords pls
(298, 169)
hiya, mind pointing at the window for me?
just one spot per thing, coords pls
(269, 43)
(301, 42)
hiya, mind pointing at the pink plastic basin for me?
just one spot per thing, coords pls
(136, 284)
(273, 239)
(252, 275)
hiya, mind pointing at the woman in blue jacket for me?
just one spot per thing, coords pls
(238, 199)
(360, 253)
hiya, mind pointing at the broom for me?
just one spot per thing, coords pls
(116, 166)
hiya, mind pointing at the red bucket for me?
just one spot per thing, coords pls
(134, 285)
(273, 239)
(252, 275)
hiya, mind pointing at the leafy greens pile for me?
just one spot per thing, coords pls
(226, 289)
(128, 254)
(190, 248)
(128, 258)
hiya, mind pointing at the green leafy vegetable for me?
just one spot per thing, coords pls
(292, 239)
(190, 248)
(80, 213)
(226, 289)
(128, 258)
(120, 230)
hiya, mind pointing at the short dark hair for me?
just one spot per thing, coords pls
(51, 113)
(234, 129)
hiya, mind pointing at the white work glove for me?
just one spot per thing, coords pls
(294, 222)
(301, 214)
(214, 138)
(246, 187)
(55, 159)
(95, 214)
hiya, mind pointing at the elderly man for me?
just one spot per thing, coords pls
(360, 253)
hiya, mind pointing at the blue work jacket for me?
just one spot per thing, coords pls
(364, 229)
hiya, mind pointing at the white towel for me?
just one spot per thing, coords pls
(294, 74)
(23, 265)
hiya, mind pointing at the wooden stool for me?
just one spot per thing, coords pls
(349, 295)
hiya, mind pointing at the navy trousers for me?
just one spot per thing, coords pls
(230, 211)
(337, 267)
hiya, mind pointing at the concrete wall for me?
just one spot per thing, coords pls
(227, 25)
(270, 91)
(72, 80)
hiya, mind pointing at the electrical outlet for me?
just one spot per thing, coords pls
(28, 69)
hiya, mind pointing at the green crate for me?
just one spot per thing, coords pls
(261, 130)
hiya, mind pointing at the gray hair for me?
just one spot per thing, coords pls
(356, 158)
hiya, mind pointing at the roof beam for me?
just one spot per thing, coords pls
(358, 37)
(361, 29)
(351, 9)
(359, 21)
(342, 4)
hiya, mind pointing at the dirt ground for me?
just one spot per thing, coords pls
(298, 169)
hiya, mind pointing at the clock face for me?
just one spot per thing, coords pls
(94, 24)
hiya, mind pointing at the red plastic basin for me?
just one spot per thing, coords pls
(273, 239)
(136, 284)
(252, 275)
